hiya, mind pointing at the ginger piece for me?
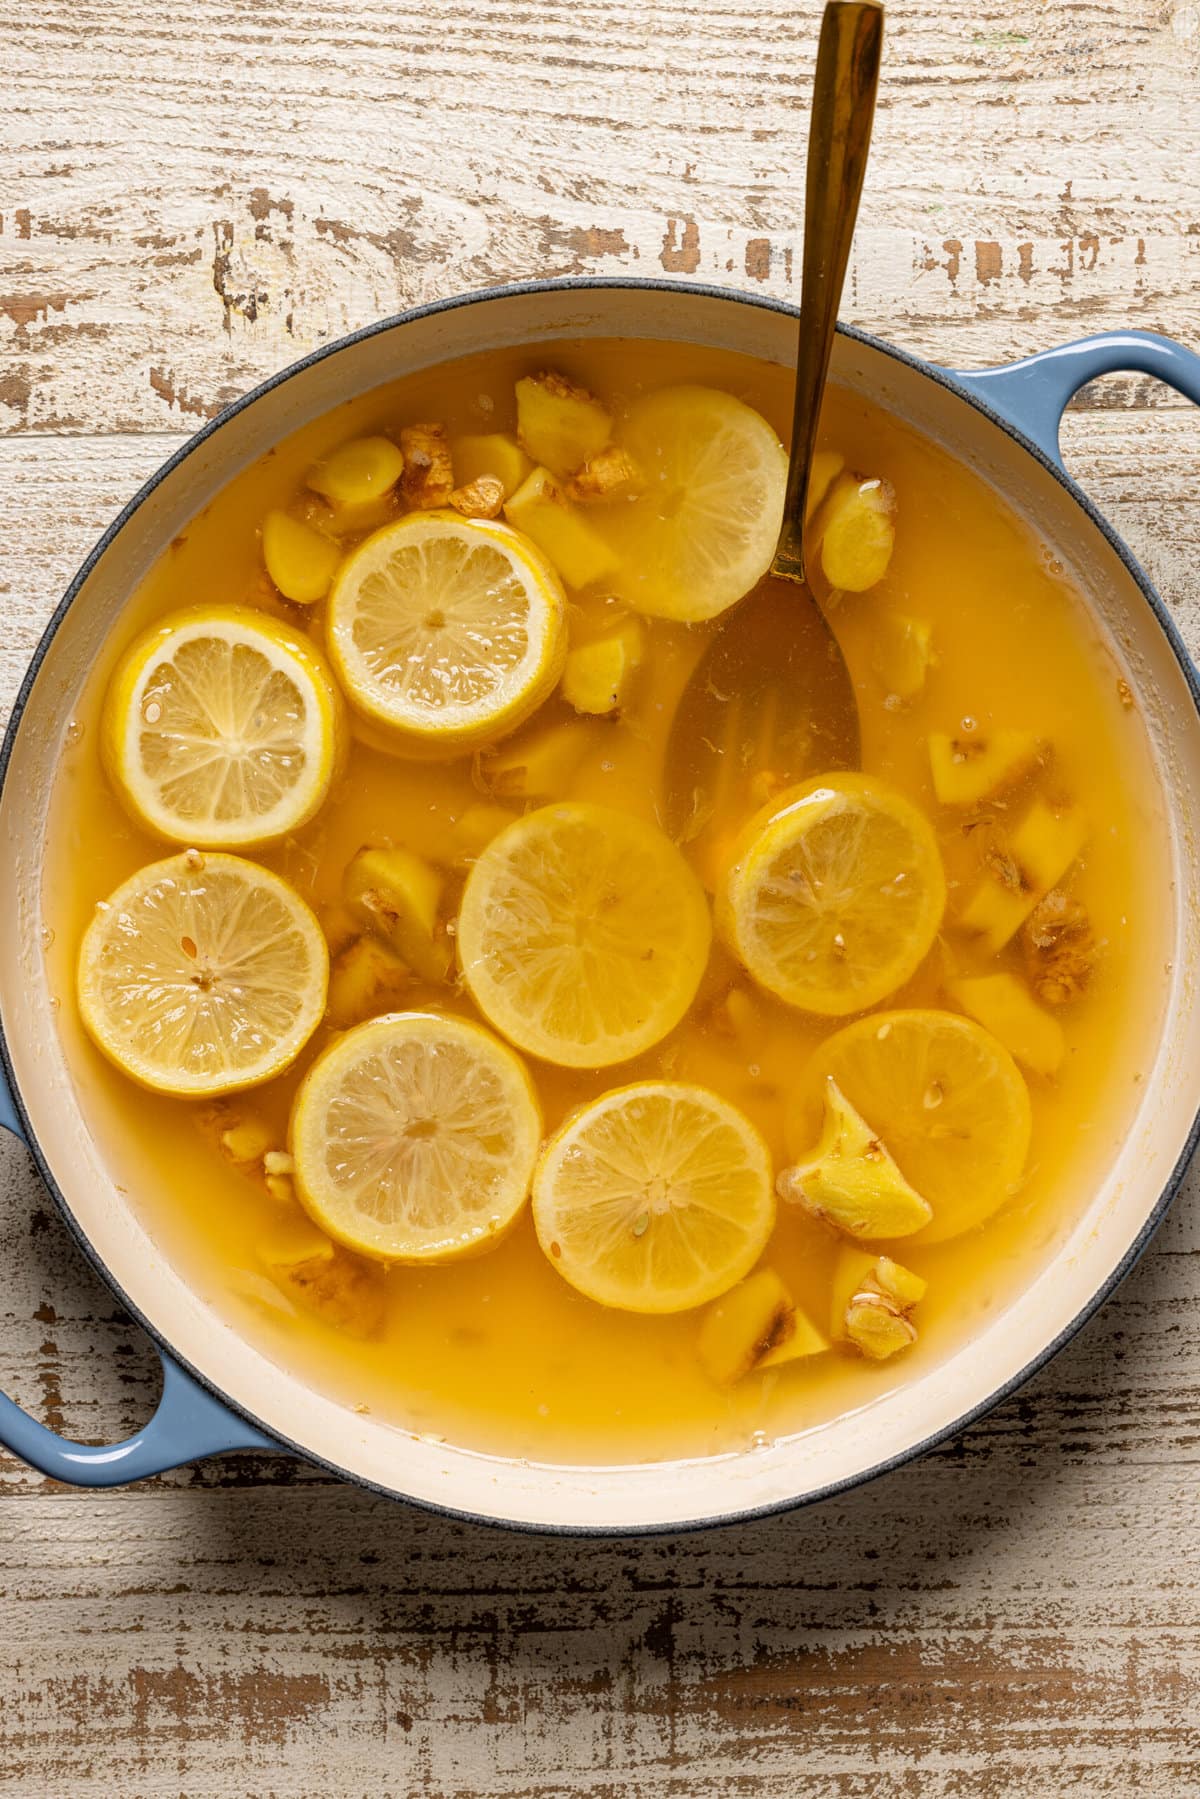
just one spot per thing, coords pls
(750, 1325)
(1004, 1006)
(428, 478)
(597, 675)
(278, 1161)
(1038, 854)
(1060, 948)
(280, 1187)
(542, 511)
(859, 533)
(612, 475)
(481, 498)
(827, 465)
(358, 472)
(804, 1341)
(396, 895)
(871, 1301)
(475, 828)
(560, 425)
(903, 653)
(974, 766)
(851, 1180)
(246, 1139)
(300, 561)
(537, 766)
(340, 925)
(324, 1278)
(366, 978)
(494, 455)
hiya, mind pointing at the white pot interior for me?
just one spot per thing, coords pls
(661, 1494)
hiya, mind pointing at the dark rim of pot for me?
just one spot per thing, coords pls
(570, 284)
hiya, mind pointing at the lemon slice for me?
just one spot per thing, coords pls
(414, 1138)
(834, 895)
(447, 631)
(583, 934)
(705, 526)
(945, 1098)
(222, 728)
(202, 974)
(654, 1198)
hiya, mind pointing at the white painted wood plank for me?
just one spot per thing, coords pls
(188, 202)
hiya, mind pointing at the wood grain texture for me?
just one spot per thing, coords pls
(190, 199)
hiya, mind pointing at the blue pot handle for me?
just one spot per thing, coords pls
(1033, 394)
(189, 1422)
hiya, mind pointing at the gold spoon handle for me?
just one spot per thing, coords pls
(839, 137)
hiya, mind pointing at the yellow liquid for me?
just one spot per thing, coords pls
(499, 1353)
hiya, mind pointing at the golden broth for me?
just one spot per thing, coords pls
(500, 1353)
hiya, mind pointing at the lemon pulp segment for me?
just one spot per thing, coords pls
(655, 1198)
(704, 528)
(202, 974)
(835, 894)
(222, 728)
(447, 631)
(582, 934)
(414, 1138)
(946, 1099)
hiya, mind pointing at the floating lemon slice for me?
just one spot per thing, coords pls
(654, 1198)
(202, 974)
(222, 728)
(834, 894)
(446, 631)
(704, 529)
(944, 1097)
(583, 934)
(414, 1138)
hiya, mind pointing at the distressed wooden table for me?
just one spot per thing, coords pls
(191, 198)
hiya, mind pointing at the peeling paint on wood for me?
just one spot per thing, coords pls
(188, 203)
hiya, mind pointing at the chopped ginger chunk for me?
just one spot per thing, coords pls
(324, 1278)
(366, 978)
(562, 426)
(1060, 948)
(872, 1298)
(903, 653)
(851, 1180)
(754, 1325)
(538, 765)
(597, 675)
(973, 766)
(246, 1139)
(1038, 854)
(300, 561)
(542, 511)
(1003, 1005)
(357, 472)
(612, 475)
(428, 479)
(396, 895)
(495, 456)
(481, 498)
(859, 533)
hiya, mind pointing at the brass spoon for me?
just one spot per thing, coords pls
(771, 700)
